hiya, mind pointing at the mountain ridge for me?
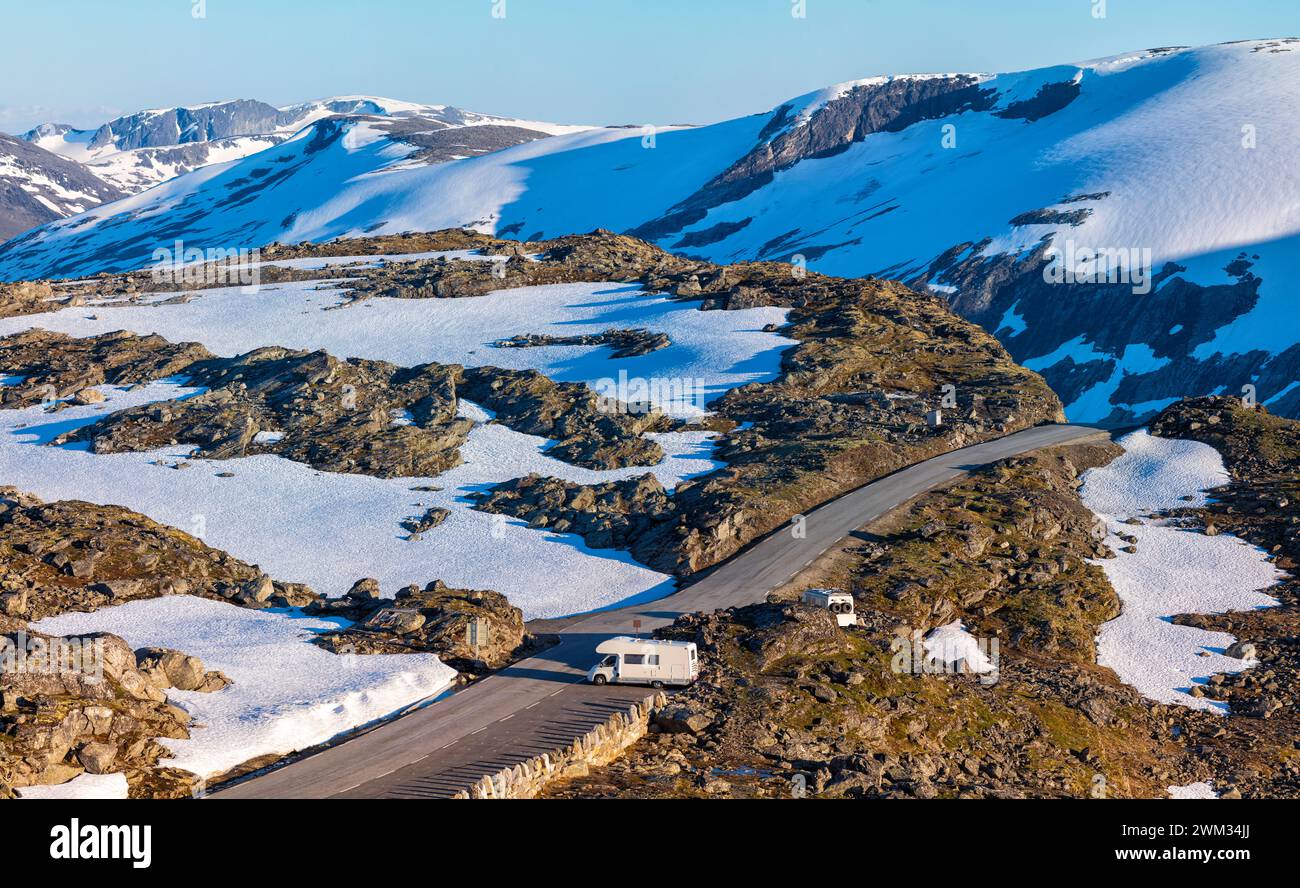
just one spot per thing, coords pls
(135, 151)
(37, 186)
(1170, 163)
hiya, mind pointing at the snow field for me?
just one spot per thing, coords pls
(1174, 571)
(711, 351)
(287, 694)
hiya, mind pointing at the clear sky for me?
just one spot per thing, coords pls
(572, 61)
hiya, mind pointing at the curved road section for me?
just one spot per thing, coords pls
(543, 702)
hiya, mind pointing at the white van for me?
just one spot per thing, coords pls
(645, 661)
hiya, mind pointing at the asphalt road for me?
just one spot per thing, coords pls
(542, 703)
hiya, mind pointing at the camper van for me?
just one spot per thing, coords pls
(837, 601)
(645, 661)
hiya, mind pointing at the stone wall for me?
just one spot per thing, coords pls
(599, 746)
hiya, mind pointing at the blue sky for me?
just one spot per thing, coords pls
(577, 61)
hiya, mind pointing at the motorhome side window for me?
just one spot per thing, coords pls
(652, 660)
(634, 659)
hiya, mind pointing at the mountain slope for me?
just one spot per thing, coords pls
(137, 151)
(37, 187)
(1178, 165)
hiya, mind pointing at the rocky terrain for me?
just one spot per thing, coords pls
(48, 367)
(311, 407)
(855, 399)
(78, 556)
(613, 515)
(790, 704)
(370, 417)
(56, 725)
(433, 619)
(1259, 505)
(853, 402)
(1008, 550)
(74, 556)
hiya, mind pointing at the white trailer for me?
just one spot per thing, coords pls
(649, 661)
(837, 601)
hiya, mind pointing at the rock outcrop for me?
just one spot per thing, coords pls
(368, 417)
(307, 406)
(623, 343)
(75, 556)
(51, 366)
(167, 669)
(613, 515)
(94, 708)
(433, 619)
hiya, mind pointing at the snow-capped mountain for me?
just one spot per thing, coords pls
(1129, 227)
(137, 151)
(37, 186)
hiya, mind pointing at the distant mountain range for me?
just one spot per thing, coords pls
(140, 150)
(1128, 227)
(55, 170)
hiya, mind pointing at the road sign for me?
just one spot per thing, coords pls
(476, 634)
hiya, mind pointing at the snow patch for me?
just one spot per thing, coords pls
(1200, 790)
(952, 643)
(288, 694)
(83, 786)
(1175, 570)
(1011, 321)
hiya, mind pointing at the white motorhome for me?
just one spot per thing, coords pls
(649, 661)
(837, 601)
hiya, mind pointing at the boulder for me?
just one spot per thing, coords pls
(88, 396)
(259, 589)
(166, 668)
(681, 720)
(366, 589)
(397, 620)
(1242, 650)
(14, 604)
(97, 757)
